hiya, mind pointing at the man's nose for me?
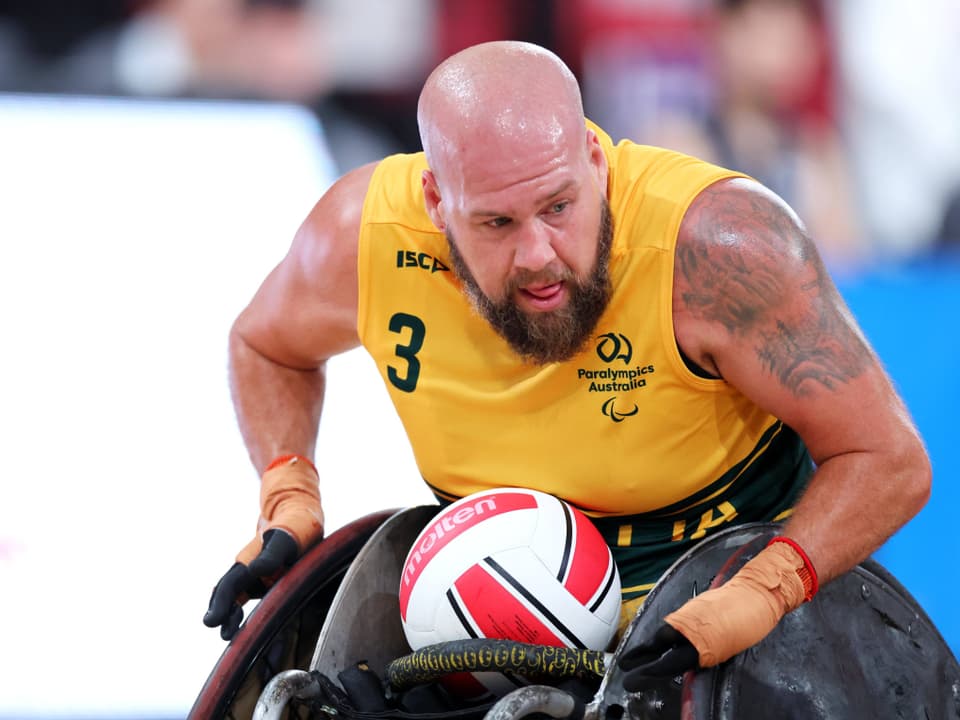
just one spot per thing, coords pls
(534, 250)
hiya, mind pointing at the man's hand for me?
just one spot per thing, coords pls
(291, 520)
(243, 582)
(723, 621)
(666, 654)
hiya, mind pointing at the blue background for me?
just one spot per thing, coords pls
(910, 315)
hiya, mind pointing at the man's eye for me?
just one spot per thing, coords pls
(498, 222)
(559, 206)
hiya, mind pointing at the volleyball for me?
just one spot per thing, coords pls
(511, 564)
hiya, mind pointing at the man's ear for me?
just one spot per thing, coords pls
(431, 199)
(598, 159)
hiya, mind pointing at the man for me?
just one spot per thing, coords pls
(650, 337)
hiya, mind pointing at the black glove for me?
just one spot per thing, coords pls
(667, 654)
(242, 582)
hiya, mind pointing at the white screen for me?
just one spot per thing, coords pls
(131, 234)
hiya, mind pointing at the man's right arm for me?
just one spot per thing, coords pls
(304, 313)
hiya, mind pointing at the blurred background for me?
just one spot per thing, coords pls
(156, 157)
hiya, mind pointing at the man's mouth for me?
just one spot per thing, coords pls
(543, 297)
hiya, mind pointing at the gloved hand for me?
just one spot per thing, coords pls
(291, 520)
(723, 621)
(667, 654)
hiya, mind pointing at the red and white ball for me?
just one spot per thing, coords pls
(512, 564)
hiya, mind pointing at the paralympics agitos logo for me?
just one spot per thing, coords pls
(610, 410)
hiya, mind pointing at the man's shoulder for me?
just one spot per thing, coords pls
(736, 214)
(394, 193)
(740, 250)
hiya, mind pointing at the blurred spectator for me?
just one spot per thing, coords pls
(772, 115)
(899, 65)
(36, 34)
(288, 50)
(358, 63)
(638, 62)
(743, 83)
(445, 28)
(164, 47)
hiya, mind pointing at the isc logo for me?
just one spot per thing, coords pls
(409, 258)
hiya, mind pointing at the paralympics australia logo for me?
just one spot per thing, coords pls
(615, 346)
(615, 349)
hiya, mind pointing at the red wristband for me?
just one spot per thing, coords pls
(293, 457)
(807, 573)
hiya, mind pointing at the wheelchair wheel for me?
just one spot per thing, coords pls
(282, 630)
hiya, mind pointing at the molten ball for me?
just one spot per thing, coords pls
(511, 564)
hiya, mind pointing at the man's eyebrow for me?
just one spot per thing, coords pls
(566, 185)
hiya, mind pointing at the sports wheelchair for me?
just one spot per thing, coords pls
(326, 643)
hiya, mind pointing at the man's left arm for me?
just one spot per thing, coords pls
(754, 305)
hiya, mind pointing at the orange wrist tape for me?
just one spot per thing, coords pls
(289, 501)
(728, 619)
(811, 583)
(291, 458)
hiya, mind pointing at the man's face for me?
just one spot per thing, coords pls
(545, 315)
(529, 229)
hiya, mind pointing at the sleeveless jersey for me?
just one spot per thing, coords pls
(623, 430)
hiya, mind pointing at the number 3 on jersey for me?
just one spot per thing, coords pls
(399, 323)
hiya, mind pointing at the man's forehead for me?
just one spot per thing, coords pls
(489, 160)
(507, 134)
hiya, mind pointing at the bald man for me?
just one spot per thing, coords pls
(650, 337)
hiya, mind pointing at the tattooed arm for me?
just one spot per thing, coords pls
(754, 305)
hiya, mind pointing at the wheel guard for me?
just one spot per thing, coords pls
(862, 648)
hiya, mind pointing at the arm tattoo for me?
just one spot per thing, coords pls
(745, 264)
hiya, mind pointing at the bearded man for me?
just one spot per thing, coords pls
(652, 338)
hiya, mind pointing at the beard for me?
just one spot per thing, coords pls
(548, 336)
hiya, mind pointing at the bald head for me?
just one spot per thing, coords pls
(497, 95)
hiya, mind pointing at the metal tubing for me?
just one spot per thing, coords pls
(282, 688)
(534, 699)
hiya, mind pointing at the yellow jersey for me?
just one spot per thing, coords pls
(625, 429)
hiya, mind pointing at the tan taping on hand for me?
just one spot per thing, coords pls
(290, 501)
(729, 619)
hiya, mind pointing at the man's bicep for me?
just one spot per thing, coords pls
(835, 404)
(801, 354)
(305, 311)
